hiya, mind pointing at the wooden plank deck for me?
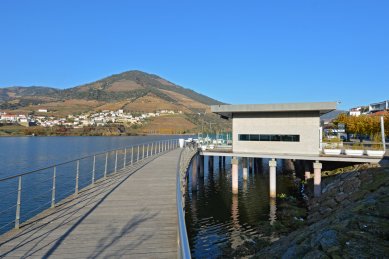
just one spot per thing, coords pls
(129, 215)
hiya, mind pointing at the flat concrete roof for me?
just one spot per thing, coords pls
(341, 158)
(228, 110)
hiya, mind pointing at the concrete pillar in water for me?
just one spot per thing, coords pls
(220, 161)
(307, 171)
(251, 165)
(224, 162)
(273, 210)
(194, 174)
(201, 161)
(234, 177)
(210, 163)
(272, 174)
(244, 163)
(317, 166)
(289, 165)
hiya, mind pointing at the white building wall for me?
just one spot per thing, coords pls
(305, 124)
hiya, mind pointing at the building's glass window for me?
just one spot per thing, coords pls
(269, 137)
(244, 137)
(254, 137)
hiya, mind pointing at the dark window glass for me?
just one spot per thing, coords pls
(269, 137)
(244, 137)
(254, 137)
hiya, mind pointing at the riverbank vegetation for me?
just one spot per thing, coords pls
(364, 124)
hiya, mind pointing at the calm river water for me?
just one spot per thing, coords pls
(22, 154)
(218, 222)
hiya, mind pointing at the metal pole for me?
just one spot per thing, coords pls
(116, 161)
(137, 155)
(125, 158)
(132, 155)
(18, 202)
(94, 169)
(152, 147)
(77, 176)
(159, 147)
(143, 151)
(106, 165)
(53, 189)
(147, 151)
(383, 132)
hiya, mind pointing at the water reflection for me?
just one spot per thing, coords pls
(217, 220)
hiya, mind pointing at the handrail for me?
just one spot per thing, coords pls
(182, 239)
(74, 160)
(144, 151)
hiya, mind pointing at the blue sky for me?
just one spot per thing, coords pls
(234, 51)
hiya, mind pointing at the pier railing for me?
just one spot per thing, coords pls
(182, 170)
(376, 149)
(25, 195)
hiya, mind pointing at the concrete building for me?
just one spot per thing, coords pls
(288, 131)
(357, 111)
(291, 128)
(381, 106)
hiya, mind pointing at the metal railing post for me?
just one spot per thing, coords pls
(116, 161)
(147, 151)
(159, 147)
(77, 176)
(125, 158)
(132, 155)
(137, 155)
(152, 147)
(94, 169)
(18, 203)
(143, 151)
(106, 165)
(53, 189)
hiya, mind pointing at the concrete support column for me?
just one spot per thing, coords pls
(201, 173)
(234, 177)
(289, 165)
(244, 163)
(210, 163)
(194, 174)
(272, 174)
(307, 171)
(220, 161)
(273, 210)
(317, 178)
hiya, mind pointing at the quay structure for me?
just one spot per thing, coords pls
(278, 131)
(134, 210)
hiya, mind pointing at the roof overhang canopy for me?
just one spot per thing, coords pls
(226, 111)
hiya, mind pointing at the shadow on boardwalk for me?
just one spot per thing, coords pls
(43, 235)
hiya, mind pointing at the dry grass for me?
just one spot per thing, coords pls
(123, 86)
(169, 124)
(185, 101)
(151, 103)
(61, 108)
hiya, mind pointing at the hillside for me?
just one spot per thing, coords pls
(133, 91)
(129, 86)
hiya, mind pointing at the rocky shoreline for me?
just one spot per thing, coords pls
(349, 220)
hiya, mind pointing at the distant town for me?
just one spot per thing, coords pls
(374, 108)
(101, 118)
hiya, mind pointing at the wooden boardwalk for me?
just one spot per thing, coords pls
(129, 215)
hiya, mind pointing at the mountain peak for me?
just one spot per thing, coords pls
(127, 86)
